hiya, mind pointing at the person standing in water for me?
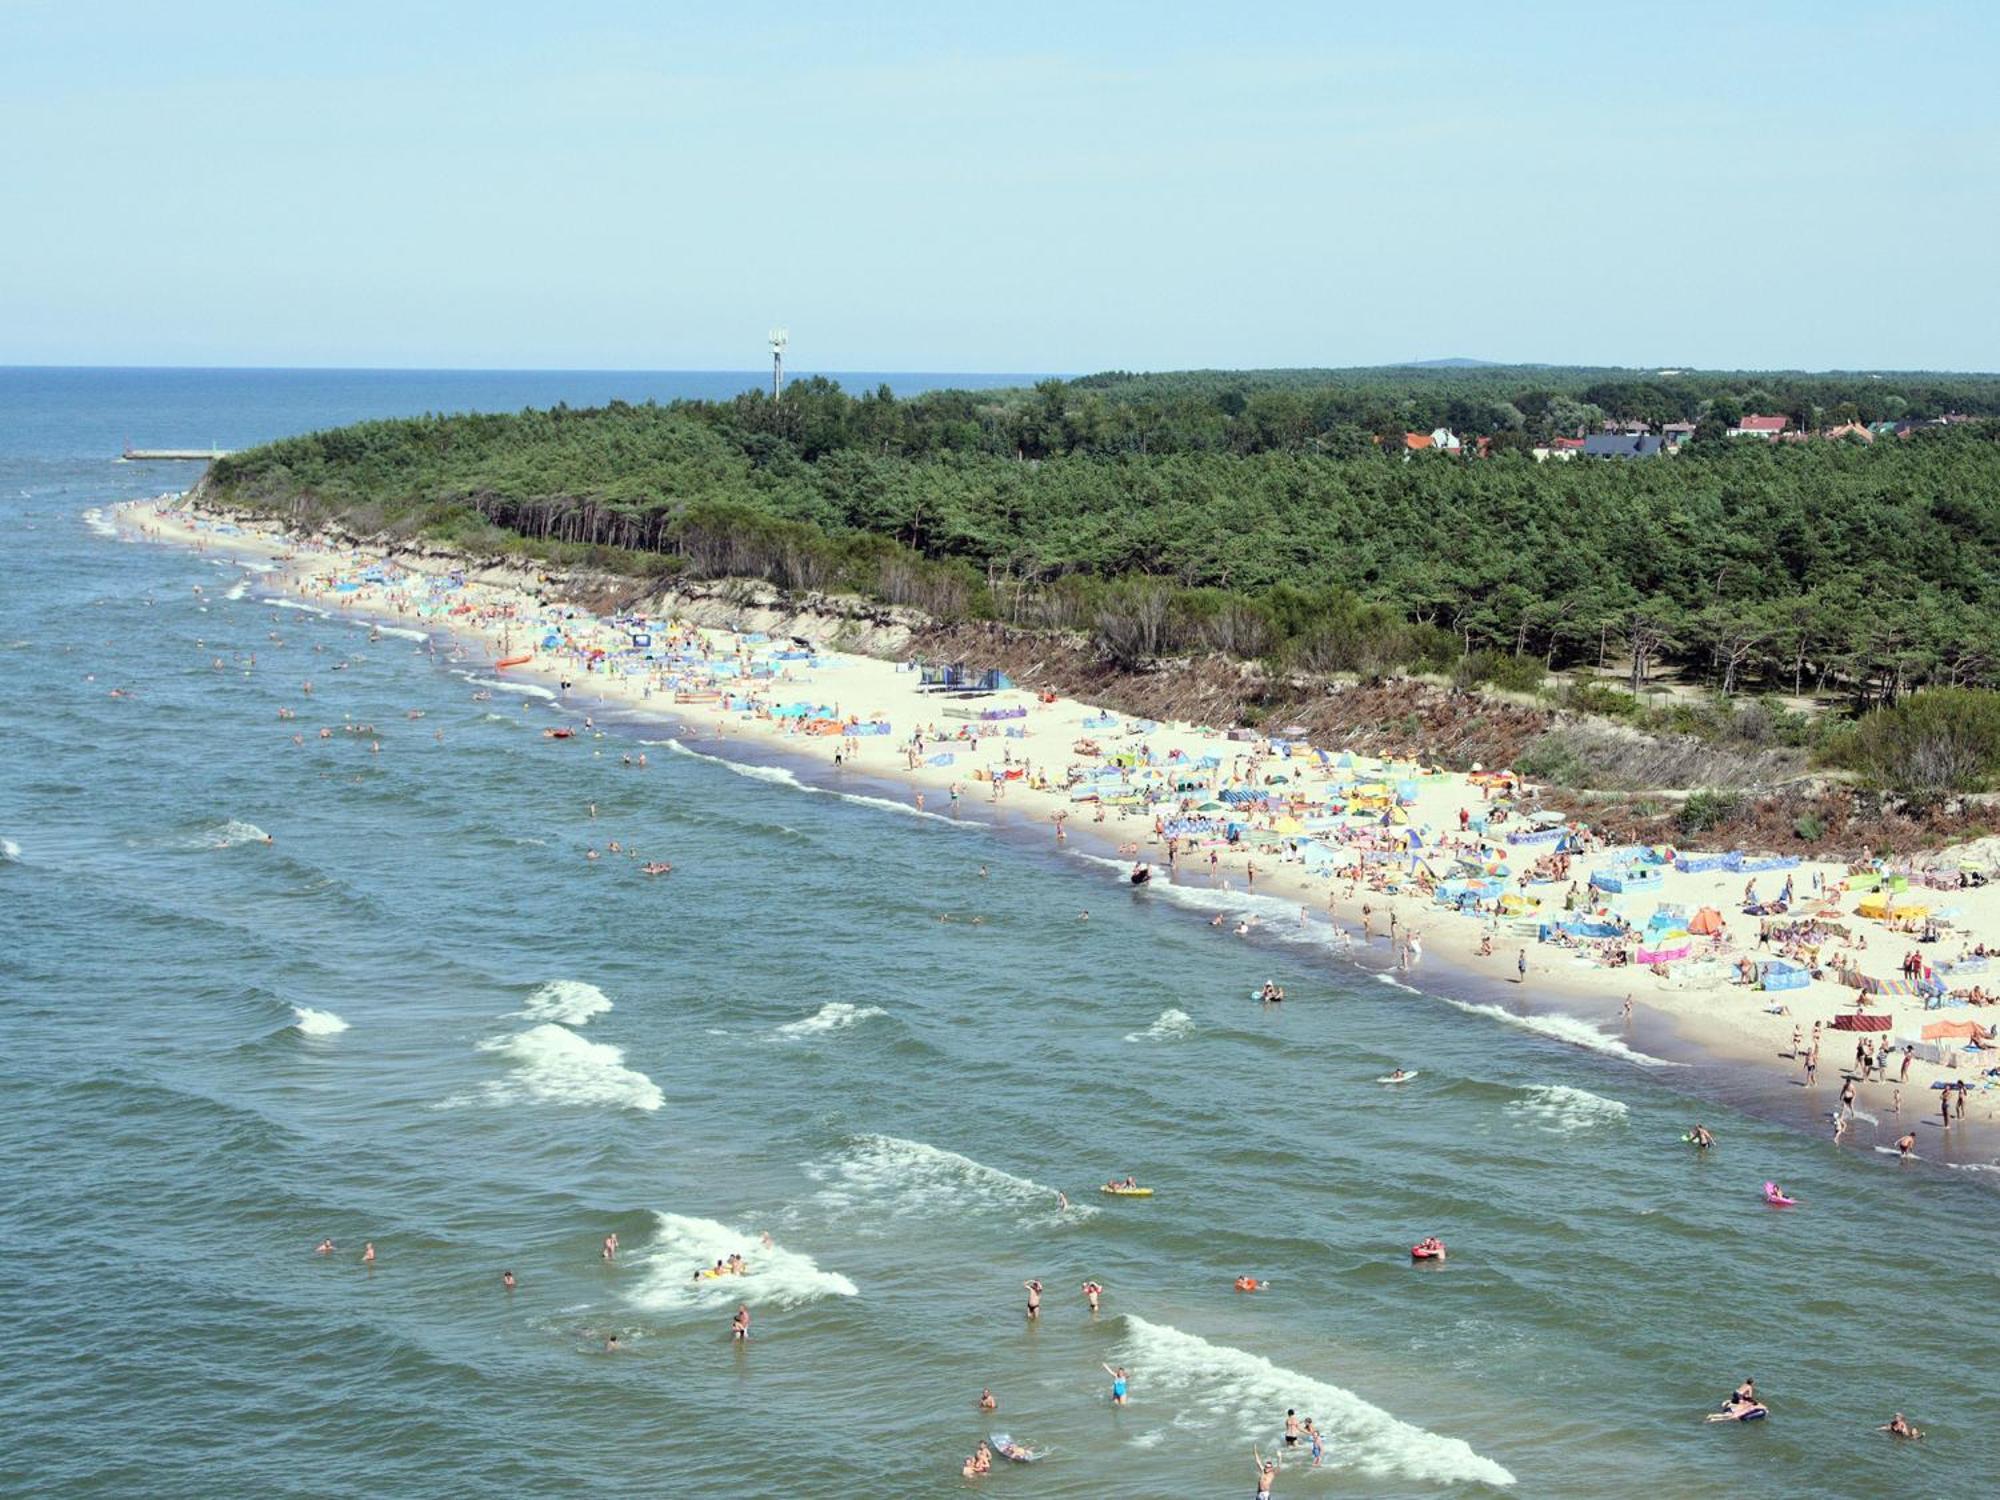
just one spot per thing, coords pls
(1120, 1382)
(368, 1253)
(1091, 1292)
(1034, 1299)
(1267, 1473)
(739, 1326)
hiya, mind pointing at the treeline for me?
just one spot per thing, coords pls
(1817, 567)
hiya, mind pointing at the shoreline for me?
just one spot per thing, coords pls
(1720, 1032)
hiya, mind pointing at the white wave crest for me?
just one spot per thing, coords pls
(1228, 1384)
(777, 1277)
(1565, 1110)
(402, 634)
(556, 1066)
(96, 520)
(1168, 1026)
(835, 1015)
(912, 1177)
(309, 1022)
(569, 1001)
(528, 689)
(1394, 983)
(1563, 1028)
(779, 776)
(10, 852)
(238, 589)
(227, 835)
(300, 605)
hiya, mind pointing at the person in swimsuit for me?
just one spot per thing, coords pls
(1318, 1446)
(1091, 1292)
(1896, 1426)
(987, 1401)
(1034, 1299)
(1267, 1474)
(1120, 1382)
(1293, 1432)
(1905, 1144)
(739, 1326)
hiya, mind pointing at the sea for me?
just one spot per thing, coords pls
(257, 995)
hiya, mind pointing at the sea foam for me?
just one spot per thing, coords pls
(98, 522)
(10, 852)
(310, 1022)
(1228, 1384)
(1168, 1026)
(554, 1065)
(777, 1277)
(1564, 1110)
(526, 689)
(1563, 1028)
(835, 1015)
(227, 835)
(914, 1177)
(779, 776)
(570, 1001)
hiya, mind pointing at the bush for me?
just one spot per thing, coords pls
(1514, 674)
(1809, 826)
(1596, 698)
(1549, 759)
(1932, 745)
(1704, 810)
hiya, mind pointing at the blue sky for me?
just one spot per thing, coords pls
(1018, 187)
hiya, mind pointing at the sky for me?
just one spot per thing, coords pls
(1024, 187)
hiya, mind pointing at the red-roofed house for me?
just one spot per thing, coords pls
(1416, 442)
(1760, 427)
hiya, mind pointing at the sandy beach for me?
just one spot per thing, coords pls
(1750, 957)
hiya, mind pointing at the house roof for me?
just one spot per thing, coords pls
(1754, 423)
(1622, 445)
(1415, 440)
(1565, 442)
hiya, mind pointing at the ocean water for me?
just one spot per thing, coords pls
(256, 994)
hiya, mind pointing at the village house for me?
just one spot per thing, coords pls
(1767, 428)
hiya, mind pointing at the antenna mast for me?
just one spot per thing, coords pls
(779, 338)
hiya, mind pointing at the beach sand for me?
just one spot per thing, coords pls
(1023, 767)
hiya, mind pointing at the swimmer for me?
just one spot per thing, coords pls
(1700, 1137)
(1293, 1432)
(1034, 1299)
(1398, 1076)
(764, 1239)
(507, 1280)
(1267, 1473)
(1062, 1202)
(1896, 1426)
(611, 1247)
(987, 1401)
(1091, 1292)
(739, 1326)
(611, 1344)
(324, 1247)
(1120, 1383)
(368, 1253)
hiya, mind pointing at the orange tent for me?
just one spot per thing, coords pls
(1938, 1030)
(1707, 922)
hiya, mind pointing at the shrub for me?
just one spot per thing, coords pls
(1932, 745)
(1596, 698)
(1514, 674)
(1809, 826)
(1704, 810)
(1549, 759)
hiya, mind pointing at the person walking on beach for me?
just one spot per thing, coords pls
(1909, 1056)
(1034, 1299)
(1944, 1108)
(1812, 1067)
(1847, 1098)
(1521, 967)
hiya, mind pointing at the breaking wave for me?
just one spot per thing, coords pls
(310, 1022)
(553, 1065)
(570, 1001)
(835, 1015)
(1563, 1028)
(1168, 1026)
(1565, 1110)
(777, 1277)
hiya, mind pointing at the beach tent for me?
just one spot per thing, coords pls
(1707, 922)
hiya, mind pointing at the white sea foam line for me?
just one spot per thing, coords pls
(1169, 1025)
(298, 604)
(779, 776)
(532, 690)
(96, 521)
(238, 589)
(10, 852)
(310, 1022)
(395, 630)
(570, 1001)
(914, 1177)
(1565, 1110)
(1564, 1028)
(1231, 1384)
(553, 1065)
(835, 1015)
(777, 1277)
